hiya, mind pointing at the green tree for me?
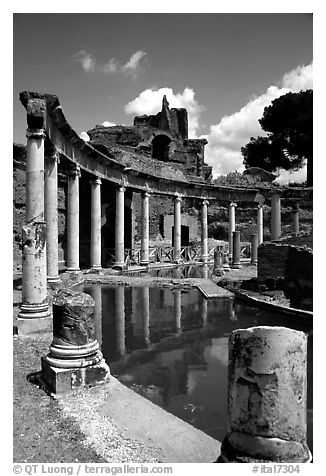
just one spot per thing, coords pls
(288, 122)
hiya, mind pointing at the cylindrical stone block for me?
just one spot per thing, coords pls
(232, 207)
(260, 224)
(254, 249)
(51, 217)
(96, 224)
(177, 230)
(74, 343)
(73, 220)
(119, 227)
(144, 252)
(276, 217)
(236, 250)
(34, 289)
(204, 232)
(266, 396)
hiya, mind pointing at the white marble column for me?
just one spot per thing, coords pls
(119, 227)
(51, 215)
(260, 223)
(177, 230)
(232, 207)
(144, 252)
(204, 232)
(254, 249)
(96, 225)
(276, 217)
(73, 220)
(295, 218)
(177, 309)
(34, 285)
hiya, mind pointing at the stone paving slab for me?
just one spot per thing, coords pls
(211, 290)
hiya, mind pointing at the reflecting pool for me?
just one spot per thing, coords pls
(171, 346)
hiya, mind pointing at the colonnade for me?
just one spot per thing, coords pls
(40, 238)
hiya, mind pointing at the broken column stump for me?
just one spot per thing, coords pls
(267, 388)
(75, 359)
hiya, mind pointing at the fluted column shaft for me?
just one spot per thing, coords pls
(232, 207)
(119, 226)
(144, 253)
(260, 224)
(73, 220)
(204, 232)
(276, 217)
(96, 224)
(51, 216)
(177, 230)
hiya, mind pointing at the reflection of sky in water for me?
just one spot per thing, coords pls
(171, 346)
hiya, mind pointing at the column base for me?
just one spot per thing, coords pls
(254, 263)
(204, 259)
(96, 268)
(73, 270)
(144, 263)
(33, 319)
(61, 381)
(235, 266)
(53, 279)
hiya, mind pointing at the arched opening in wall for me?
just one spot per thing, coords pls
(184, 235)
(160, 145)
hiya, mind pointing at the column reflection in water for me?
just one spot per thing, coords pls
(177, 310)
(145, 297)
(120, 320)
(96, 293)
(204, 310)
(232, 314)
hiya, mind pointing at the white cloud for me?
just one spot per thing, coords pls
(84, 136)
(108, 124)
(150, 102)
(86, 60)
(226, 138)
(131, 68)
(286, 176)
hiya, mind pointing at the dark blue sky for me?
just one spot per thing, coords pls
(226, 59)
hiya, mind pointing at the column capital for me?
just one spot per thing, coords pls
(177, 198)
(205, 202)
(260, 205)
(35, 134)
(74, 172)
(96, 181)
(145, 194)
(232, 204)
(52, 155)
(121, 189)
(295, 207)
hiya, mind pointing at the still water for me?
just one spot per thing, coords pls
(171, 346)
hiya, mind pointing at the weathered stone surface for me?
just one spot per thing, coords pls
(267, 396)
(73, 317)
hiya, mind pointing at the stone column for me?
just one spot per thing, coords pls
(236, 250)
(73, 220)
(254, 249)
(204, 232)
(75, 359)
(96, 225)
(266, 397)
(218, 261)
(51, 216)
(232, 314)
(232, 207)
(96, 291)
(177, 309)
(295, 222)
(34, 285)
(204, 307)
(276, 216)
(177, 229)
(144, 252)
(120, 320)
(146, 314)
(119, 227)
(260, 223)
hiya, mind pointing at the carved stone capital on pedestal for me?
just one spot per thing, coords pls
(35, 134)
